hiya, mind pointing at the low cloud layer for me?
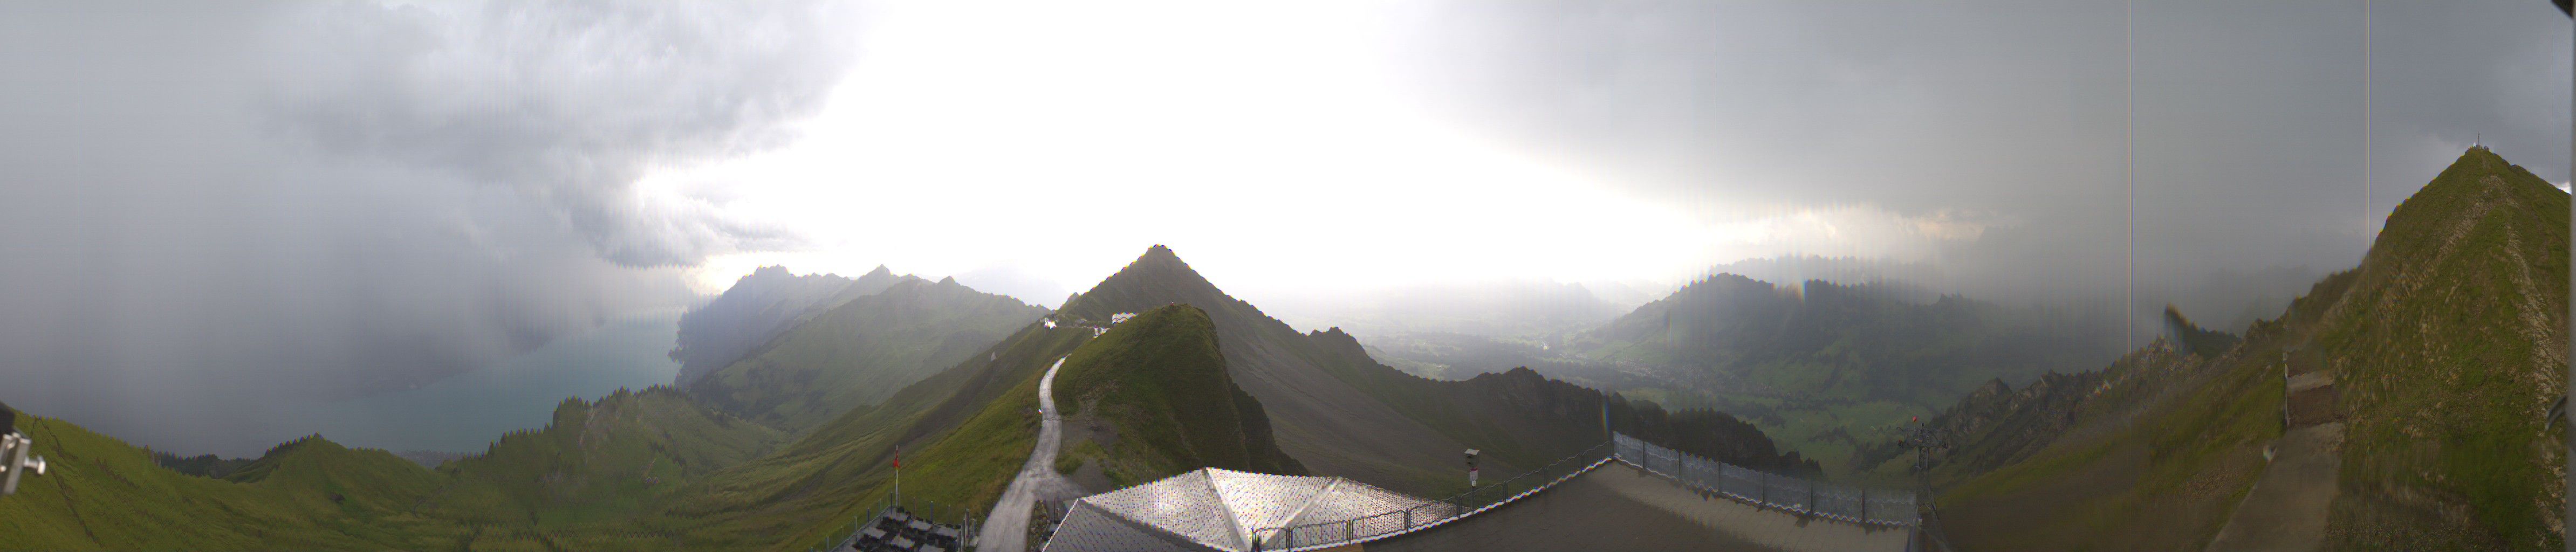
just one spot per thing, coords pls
(2249, 116)
(568, 104)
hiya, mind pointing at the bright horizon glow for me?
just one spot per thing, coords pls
(1274, 153)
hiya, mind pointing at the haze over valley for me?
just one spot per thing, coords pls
(1140, 275)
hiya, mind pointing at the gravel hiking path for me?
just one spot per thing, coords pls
(1007, 529)
(2287, 508)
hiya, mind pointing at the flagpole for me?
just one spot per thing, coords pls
(898, 476)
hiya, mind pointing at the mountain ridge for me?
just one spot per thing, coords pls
(857, 352)
(1151, 398)
(2437, 416)
(757, 308)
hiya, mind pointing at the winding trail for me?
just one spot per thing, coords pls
(1007, 528)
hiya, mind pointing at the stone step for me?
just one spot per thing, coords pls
(2310, 380)
(2313, 405)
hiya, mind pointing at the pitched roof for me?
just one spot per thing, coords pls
(1215, 509)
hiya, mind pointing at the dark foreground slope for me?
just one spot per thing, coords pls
(2444, 345)
(861, 351)
(1151, 398)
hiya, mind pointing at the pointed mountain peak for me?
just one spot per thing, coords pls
(1154, 279)
(2479, 191)
(880, 272)
(1160, 263)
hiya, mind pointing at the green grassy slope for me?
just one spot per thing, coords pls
(1824, 366)
(598, 460)
(2448, 350)
(964, 432)
(756, 309)
(102, 494)
(1318, 411)
(2445, 344)
(966, 429)
(656, 470)
(207, 465)
(1340, 412)
(2154, 463)
(861, 351)
(1160, 380)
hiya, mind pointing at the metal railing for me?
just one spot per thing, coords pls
(1309, 536)
(1803, 496)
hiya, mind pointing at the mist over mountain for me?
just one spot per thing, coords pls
(491, 275)
(1794, 269)
(1526, 308)
(1338, 411)
(861, 350)
(2414, 378)
(2231, 296)
(755, 310)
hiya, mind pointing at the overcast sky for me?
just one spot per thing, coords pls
(336, 197)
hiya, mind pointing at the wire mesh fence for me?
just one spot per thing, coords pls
(1399, 520)
(1817, 498)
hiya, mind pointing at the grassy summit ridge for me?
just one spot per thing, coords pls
(2445, 344)
(2449, 349)
(1160, 380)
(1340, 412)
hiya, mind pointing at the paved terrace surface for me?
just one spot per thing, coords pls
(1620, 507)
(1007, 529)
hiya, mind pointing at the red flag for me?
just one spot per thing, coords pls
(1914, 419)
(898, 457)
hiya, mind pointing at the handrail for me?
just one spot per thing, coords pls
(1887, 507)
(1883, 507)
(1309, 536)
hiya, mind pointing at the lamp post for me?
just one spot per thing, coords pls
(1471, 469)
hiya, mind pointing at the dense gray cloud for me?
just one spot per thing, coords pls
(212, 206)
(566, 102)
(2249, 147)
